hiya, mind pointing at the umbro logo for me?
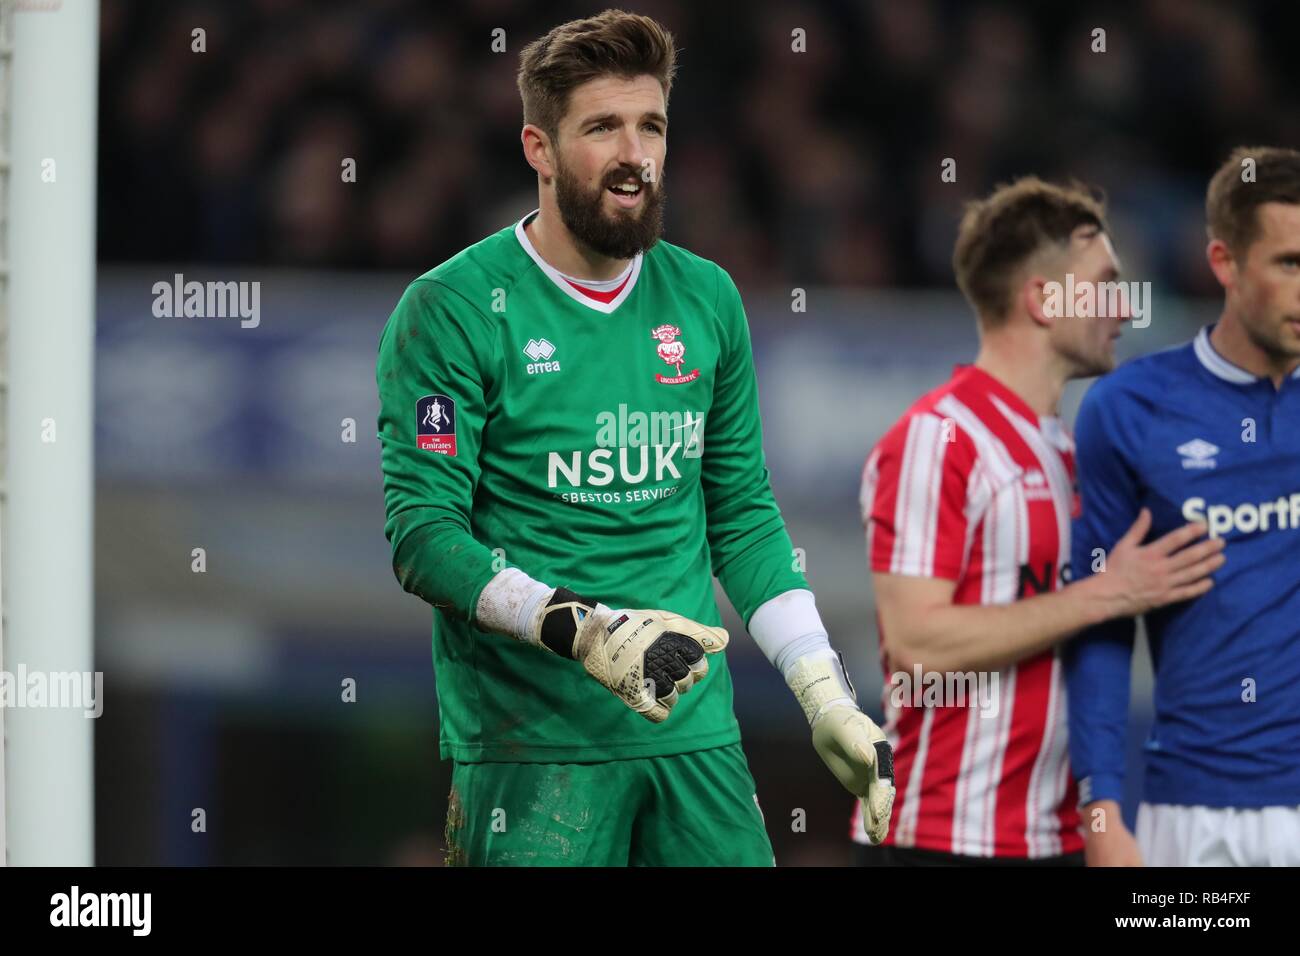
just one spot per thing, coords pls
(540, 351)
(1198, 453)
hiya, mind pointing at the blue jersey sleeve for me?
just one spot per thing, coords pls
(1097, 661)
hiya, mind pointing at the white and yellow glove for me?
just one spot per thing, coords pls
(849, 741)
(648, 659)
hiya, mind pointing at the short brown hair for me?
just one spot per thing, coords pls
(1230, 201)
(614, 43)
(1000, 233)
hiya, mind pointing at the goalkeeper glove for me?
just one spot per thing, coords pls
(848, 741)
(648, 659)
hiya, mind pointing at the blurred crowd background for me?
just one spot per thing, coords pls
(792, 169)
(818, 170)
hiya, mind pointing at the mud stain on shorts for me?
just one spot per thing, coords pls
(455, 825)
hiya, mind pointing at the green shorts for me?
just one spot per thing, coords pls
(695, 809)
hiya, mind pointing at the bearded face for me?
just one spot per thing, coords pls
(618, 217)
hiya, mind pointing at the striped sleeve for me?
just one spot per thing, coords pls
(914, 493)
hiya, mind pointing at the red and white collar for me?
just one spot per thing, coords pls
(566, 284)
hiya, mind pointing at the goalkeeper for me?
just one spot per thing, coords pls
(571, 448)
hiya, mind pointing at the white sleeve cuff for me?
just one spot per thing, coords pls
(508, 604)
(788, 627)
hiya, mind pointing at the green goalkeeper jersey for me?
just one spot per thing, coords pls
(612, 447)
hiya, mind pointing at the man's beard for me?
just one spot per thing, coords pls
(624, 234)
(1270, 339)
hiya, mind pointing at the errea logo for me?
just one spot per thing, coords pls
(540, 351)
(1036, 486)
(1198, 453)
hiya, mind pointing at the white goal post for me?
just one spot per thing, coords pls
(6, 85)
(48, 161)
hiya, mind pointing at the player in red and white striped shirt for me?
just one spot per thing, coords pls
(967, 502)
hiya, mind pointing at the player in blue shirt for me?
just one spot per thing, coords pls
(1207, 432)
